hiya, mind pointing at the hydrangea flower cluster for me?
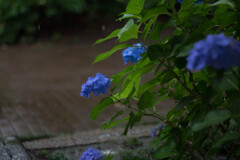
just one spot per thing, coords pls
(196, 2)
(97, 85)
(92, 154)
(217, 51)
(159, 127)
(133, 54)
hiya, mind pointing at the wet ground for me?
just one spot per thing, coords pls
(40, 85)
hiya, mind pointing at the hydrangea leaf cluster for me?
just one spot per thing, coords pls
(196, 2)
(92, 154)
(217, 51)
(133, 54)
(159, 127)
(97, 85)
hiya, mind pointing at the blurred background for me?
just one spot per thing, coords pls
(46, 54)
(26, 20)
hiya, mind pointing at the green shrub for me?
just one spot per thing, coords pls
(197, 65)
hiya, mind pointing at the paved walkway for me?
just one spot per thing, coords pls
(12, 149)
(40, 86)
(88, 137)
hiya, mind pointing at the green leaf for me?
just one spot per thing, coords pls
(112, 35)
(106, 125)
(165, 76)
(155, 12)
(128, 16)
(184, 51)
(146, 86)
(127, 26)
(225, 2)
(134, 118)
(186, 5)
(212, 118)
(235, 107)
(176, 43)
(226, 82)
(130, 95)
(155, 52)
(115, 123)
(184, 102)
(147, 100)
(128, 86)
(100, 107)
(164, 152)
(228, 137)
(135, 6)
(109, 53)
(224, 20)
(129, 31)
(148, 27)
(109, 157)
(155, 34)
(180, 62)
(118, 78)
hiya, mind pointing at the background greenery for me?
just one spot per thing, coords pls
(19, 18)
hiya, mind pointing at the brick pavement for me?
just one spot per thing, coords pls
(12, 149)
(40, 86)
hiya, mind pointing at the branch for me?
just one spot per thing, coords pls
(191, 79)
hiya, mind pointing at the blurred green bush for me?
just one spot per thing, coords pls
(18, 17)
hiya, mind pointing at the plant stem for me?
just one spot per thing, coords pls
(193, 84)
(168, 66)
(146, 114)
(184, 84)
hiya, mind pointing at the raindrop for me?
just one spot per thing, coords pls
(103, 28)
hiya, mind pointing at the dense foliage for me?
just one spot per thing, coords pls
(19, 18)
(197, 65)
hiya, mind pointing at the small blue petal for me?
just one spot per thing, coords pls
(92, 154)
(159, 128)
(133, 54)
(196, 2)
(154, 132)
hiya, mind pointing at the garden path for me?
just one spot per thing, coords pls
(40, 85)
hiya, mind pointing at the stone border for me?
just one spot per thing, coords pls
(11, 149)
(88, 137)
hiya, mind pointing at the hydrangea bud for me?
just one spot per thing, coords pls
(133, 54)
(196, 2)
(159, 127)
(217, 51)
(92, 154)
(97, 85)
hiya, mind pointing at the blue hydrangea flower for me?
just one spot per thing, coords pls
(133, 54)
(97, 85)
(196, 2)
(159, 127)
(92, 154)
(217, 51)
(154, 132)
